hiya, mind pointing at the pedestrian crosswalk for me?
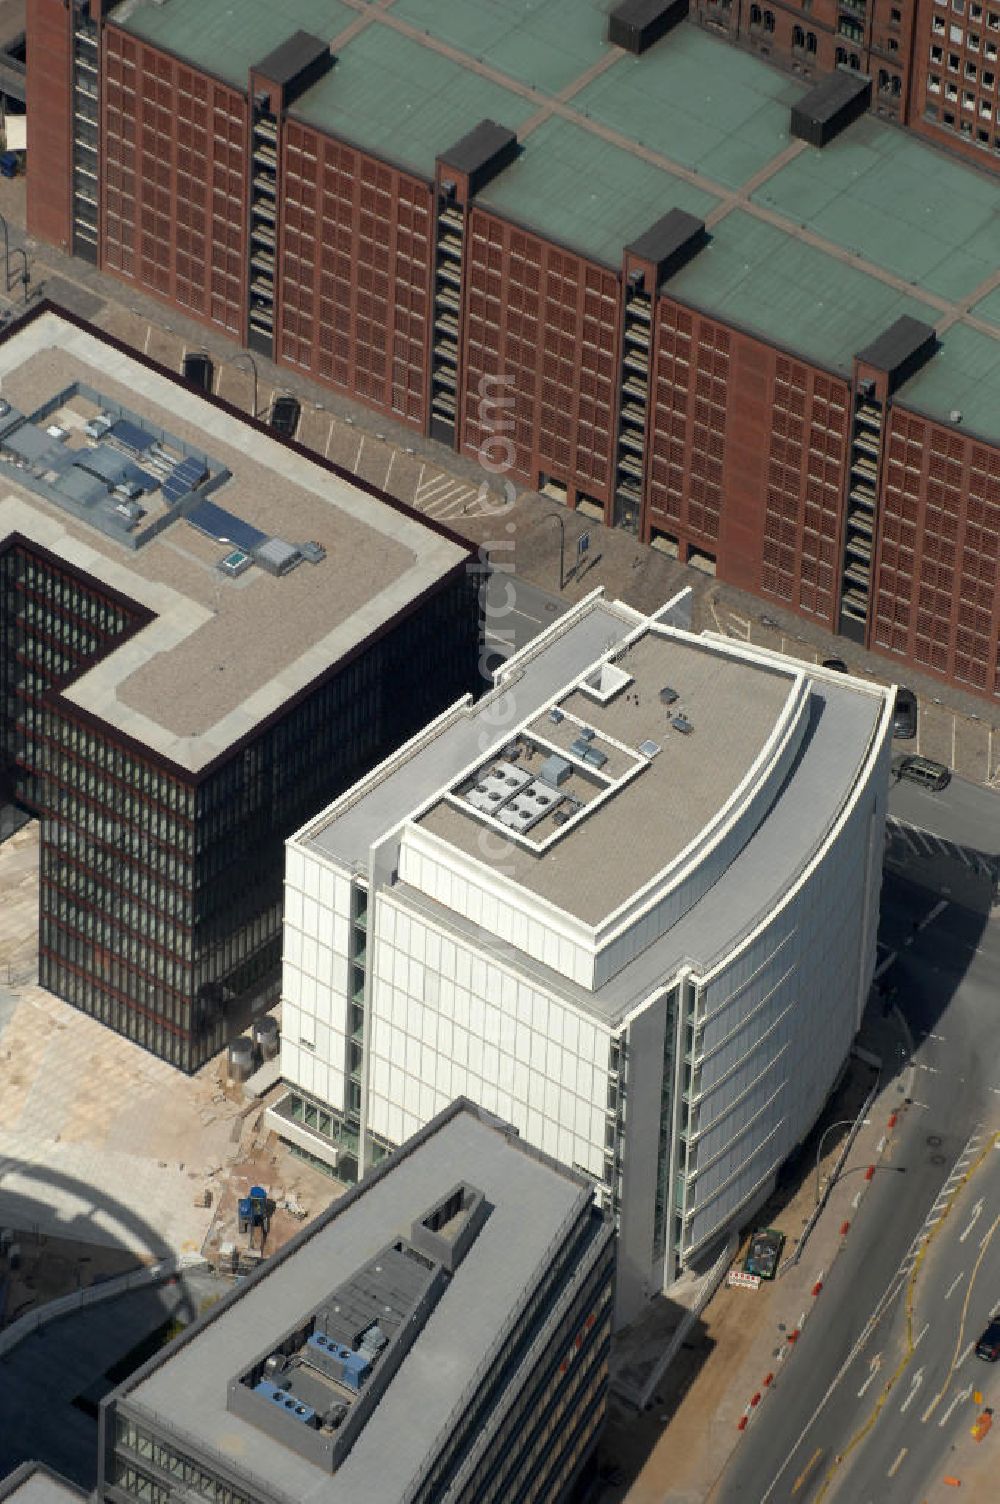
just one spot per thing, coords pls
(905, 840)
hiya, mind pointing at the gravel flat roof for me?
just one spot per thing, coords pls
(221, 654)
(734, 707)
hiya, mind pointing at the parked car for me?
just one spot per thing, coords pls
(988, 1346)
(904, 715)
(285, 413)
(923, 770)
(764, 1253)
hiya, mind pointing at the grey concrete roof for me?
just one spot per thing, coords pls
(533, 1200)
(221, 654)
(842, 723)
(347, 831)
(34, 1484)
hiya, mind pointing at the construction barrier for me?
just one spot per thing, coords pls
(740, 1278)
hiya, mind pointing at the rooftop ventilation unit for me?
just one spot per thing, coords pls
(556, 715)
(670, 243)
(277, 557)
(668, 695)
(901, 349)
(649, 749)
(825, 110)
(595, 757)
(587, 733)
(529, 806)
(637, 24)
(482, 153)
(682, 724)
(555, 771)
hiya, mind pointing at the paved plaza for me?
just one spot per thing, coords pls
(100, 1142)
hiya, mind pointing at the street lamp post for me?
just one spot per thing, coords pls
(25, 274)
(245, 355)
(555, 517)
(844, 1123)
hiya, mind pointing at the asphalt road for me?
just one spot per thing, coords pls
(965, 813)
(514, 613)
(942, 959)
(931, 1405)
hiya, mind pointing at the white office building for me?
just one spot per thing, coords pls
(627, 902)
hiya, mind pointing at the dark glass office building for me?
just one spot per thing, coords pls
(163, 816)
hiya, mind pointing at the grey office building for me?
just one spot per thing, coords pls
(441, 1333)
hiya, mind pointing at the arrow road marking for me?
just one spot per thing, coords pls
(977, 1212)
(874, 1366)
(959, 1399)
(915, 1383)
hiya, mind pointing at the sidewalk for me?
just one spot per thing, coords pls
(960, 729)
(723, 1374)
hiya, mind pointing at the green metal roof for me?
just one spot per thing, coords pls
(757, 277)
(988, 308)
(876, 191)
(702, 104)
(404, 102)
(589, 194)
(617, 140)
(228, 37)
(963, 376)
(545, 44)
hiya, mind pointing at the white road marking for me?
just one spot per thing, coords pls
(932, 1069)
(952, 1287)
(392, 457)
(939, 1037)
(925, 1105)
(959, 1399)
(329, 436)
(923, 1334)
(873, 1366)
(895, 1466)
(965, 1354)
(357, 459)
(149, 332)
(915, 1383)
(977, 1212)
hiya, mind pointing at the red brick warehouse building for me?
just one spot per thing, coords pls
(755, 324)
(934, 64)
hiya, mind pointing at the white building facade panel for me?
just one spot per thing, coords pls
(777, 1022)
(447, 1020)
